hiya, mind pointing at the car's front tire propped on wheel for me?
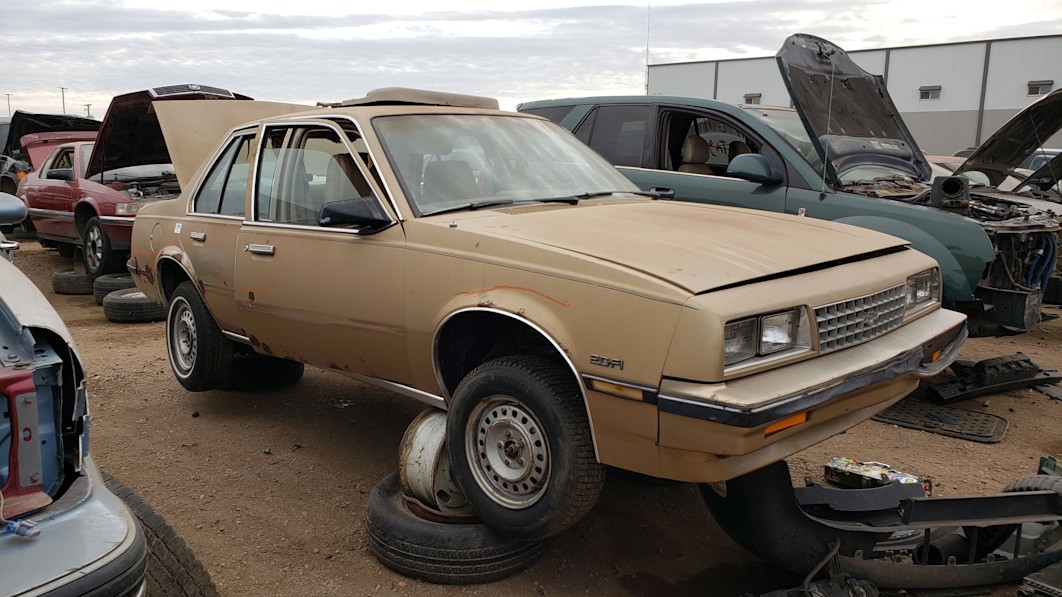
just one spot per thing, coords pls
(199, 354)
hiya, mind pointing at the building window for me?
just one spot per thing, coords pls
(752, 98)
(1040, 87)
(929, 92)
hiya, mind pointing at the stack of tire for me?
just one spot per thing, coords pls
(117, 293)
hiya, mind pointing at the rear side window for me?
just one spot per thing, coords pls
(618, 133)
(225, 190)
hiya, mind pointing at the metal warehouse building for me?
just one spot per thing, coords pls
(952, 95)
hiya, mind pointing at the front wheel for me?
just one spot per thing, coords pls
(99, 257)
(200, 355)
(520, 447)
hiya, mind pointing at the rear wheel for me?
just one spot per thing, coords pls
(99, 257)
(520, 447)
(200, 355)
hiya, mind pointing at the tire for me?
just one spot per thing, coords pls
(108, 283)
(172, 567)
(990, 539)
(439, 552)
(99, 257)
(66, 249)
(68, 281)
(547, 484)
(130, 305)
(199, 354)
(257, 372)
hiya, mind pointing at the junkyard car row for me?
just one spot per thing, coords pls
(559, 314)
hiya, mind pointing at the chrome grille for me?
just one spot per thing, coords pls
(859, 320)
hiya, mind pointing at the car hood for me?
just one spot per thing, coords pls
(1017, 139)
(130, 133)
(1046, 178)
(27, 123)
(23, 306)
(695, 247)
(847, 111)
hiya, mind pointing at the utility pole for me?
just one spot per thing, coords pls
(8, 103)
(88, 110)
(63, 91)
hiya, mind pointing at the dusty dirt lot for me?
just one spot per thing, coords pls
(270, 488)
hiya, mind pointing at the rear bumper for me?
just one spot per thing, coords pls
(90, 544)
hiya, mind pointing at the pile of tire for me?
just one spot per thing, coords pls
(122, 302)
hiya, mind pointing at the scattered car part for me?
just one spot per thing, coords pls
(131, 305)
(952, 422)
(108, 283)
(760, 512)
(173, 570)
(260, 373)
(871, 505)
(846, 472)
(69, 281)
(408, 540)
(1050, 390)
(990, 376)
(1043, 583)
(1049, 466)
(424, 466)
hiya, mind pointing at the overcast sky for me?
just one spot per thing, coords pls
(321, 50)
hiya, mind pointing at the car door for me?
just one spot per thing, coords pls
(647, 144)
(52, 200)
(331, 297)
(209, 234)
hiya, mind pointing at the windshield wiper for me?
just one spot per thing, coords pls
(575, 199)
(472, 205)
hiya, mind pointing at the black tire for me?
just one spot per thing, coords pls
(257, 372)
(66, 249)
(108, 283)
(172, 567)
(68, 281)
(130, 305)
(199, 354)
(440, 552)
(99, 257)
(990, 539)
(497, 416)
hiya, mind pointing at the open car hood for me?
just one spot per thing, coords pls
(1018, 139)
(28, 123)
(847, 111)
(130, 133)
(1045, 179)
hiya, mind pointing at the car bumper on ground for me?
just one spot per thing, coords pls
(712, 432)
(89, 544)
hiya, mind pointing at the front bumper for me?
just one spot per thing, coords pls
(90, 544)
(702, 432)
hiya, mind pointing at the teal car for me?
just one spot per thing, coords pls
(859, 165)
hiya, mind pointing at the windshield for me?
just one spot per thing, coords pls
(787, 124)
(448, 161)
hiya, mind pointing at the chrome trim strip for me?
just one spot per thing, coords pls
(425, 397)
(50, 213)
(120, 220)
(254, 224)
(236, 337)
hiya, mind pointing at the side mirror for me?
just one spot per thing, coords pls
(66, 174)
(753, 167)
(360, 212)
(12, 209)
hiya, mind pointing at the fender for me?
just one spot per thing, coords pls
(958, 285)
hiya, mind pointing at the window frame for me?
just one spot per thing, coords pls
(929, 93)
(233, 141)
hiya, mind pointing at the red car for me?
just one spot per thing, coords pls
(87, 193)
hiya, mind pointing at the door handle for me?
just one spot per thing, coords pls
(259, 249)
(200, 236)
(663, 193)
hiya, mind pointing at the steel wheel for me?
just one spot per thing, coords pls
(93, 248)
(510, 457)
(200, 355)
(182, 335)
(99, 257)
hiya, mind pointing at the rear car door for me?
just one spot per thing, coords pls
(328, 296)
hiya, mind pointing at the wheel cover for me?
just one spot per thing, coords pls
(508, 452)
(183, 343)
(94, 247)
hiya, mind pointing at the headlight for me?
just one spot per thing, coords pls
(765, 335)
(127, 209)
(923, 289)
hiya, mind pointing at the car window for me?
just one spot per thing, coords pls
(64, 159)
(554, 113)
(618, 133)
(699, 143)
(786, 122)
(448, 161)
(224, 191)
(303, 168)
(86, 151)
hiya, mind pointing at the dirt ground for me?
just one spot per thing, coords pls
(269, 488)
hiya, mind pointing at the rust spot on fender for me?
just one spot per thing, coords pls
(254, 341)
(520, 288)
(266, 349)
(250, 296)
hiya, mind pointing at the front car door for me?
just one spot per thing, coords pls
(328, 296)
(51, 201)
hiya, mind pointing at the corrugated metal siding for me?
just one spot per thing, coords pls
(942, 133)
